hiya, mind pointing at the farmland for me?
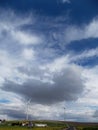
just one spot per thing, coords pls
(51, 125)
(84, 126)
(25, 128)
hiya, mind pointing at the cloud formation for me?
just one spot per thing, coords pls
(84, 32)
(95, 115)
(65, 85)
(35, 64)
(65, 1)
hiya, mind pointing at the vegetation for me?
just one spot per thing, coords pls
(90, 128)
(87, 128)
(84, 125)
(26, 128)
(51, 125)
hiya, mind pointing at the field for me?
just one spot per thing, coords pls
(25, 128)
(84, 126)
(51, 125)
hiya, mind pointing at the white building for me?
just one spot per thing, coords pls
(41, 125)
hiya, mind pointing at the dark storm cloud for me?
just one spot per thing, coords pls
(67, 85)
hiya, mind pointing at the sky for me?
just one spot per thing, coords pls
(49, 60)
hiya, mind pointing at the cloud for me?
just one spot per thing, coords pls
(75, 33)
(66, 85)
(91, 83)
(14, 114)
(95, 115)
(28, 54)
(64, 1)
(86, 54)
(13, 29)
(34, 64)
(25, 38)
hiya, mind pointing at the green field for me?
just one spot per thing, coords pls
(51, 125)
(84, 126)
(25, 128)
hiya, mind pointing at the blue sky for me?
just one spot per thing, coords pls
(48, 55)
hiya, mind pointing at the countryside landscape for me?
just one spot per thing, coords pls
(47, 125)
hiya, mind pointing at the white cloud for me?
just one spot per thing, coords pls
(5, 65)
(86, 54)
(68, 1)
(58, 64)
(91, 31)
(90, 96)
(65, 1)
(25, 38)
(28, 54)
(75, 33)
(11, 24)
(23, 65)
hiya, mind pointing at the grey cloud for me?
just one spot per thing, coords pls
(72, 117)
(95, 115)
(17, 114)
(34, 69)
(67, 86)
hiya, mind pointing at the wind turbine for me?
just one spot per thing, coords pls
(27, 109)
(64, 113)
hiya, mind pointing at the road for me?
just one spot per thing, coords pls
(69, 127)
